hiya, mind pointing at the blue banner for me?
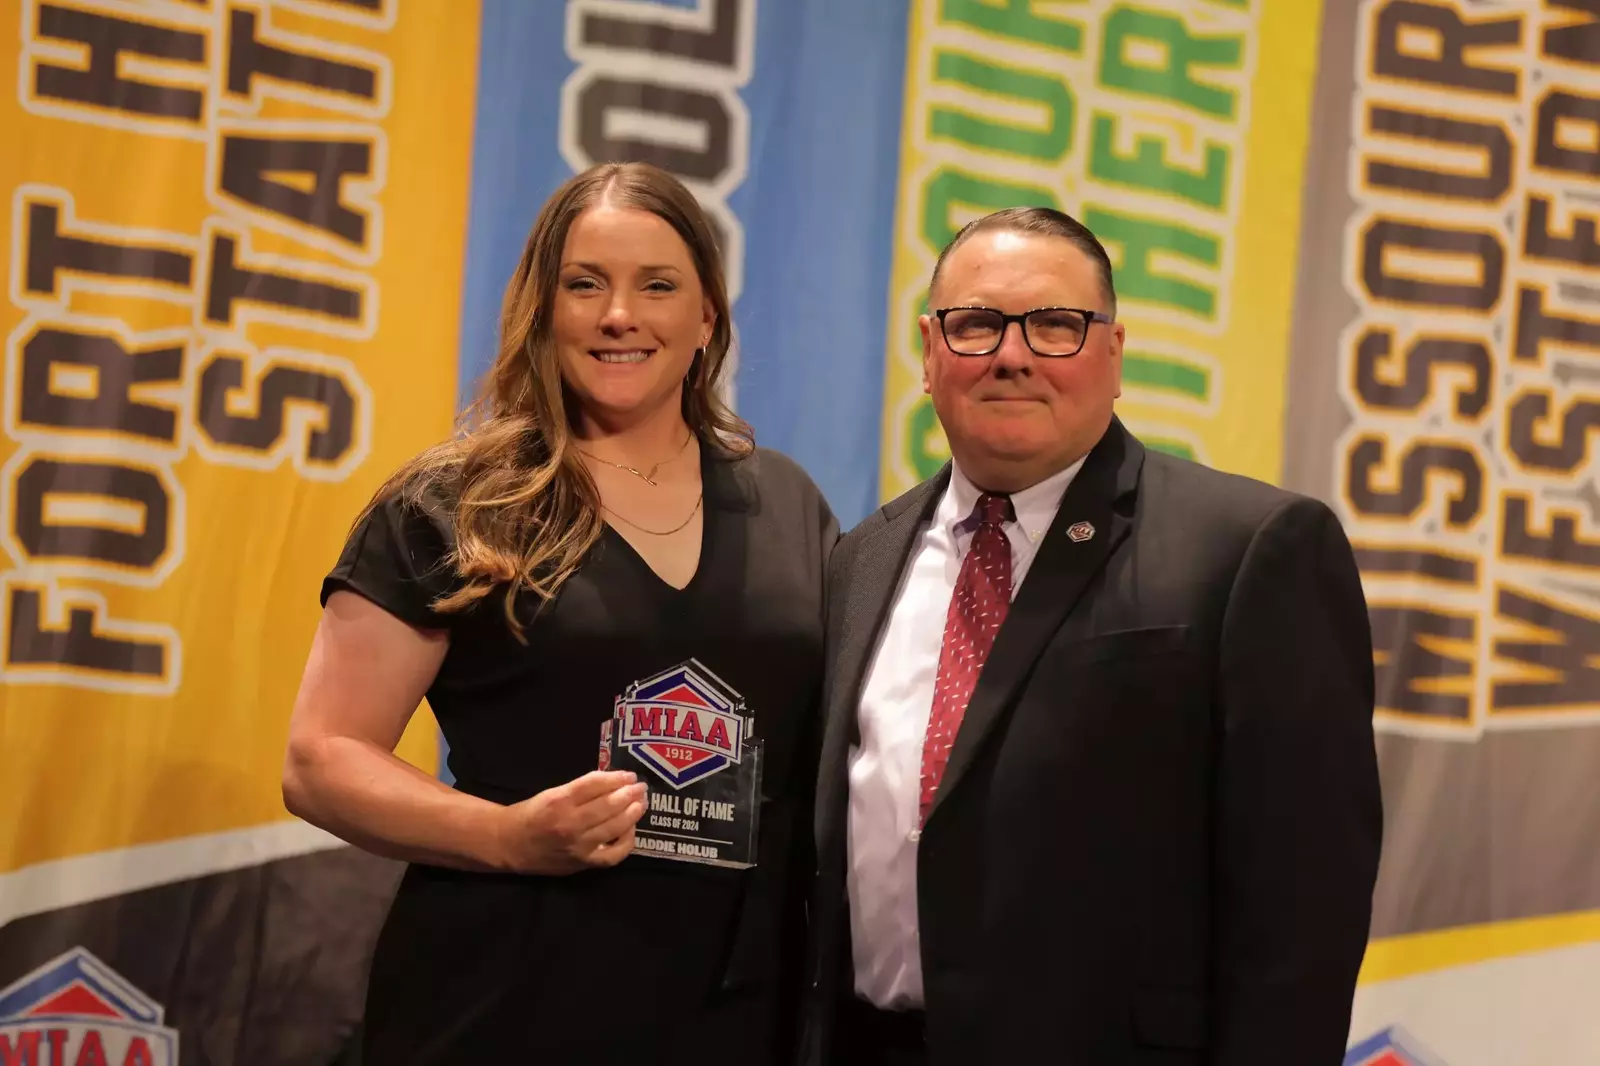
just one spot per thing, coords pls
(748, 112)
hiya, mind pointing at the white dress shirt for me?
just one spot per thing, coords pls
(886, 767)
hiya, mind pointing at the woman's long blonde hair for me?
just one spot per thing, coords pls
(524, 508)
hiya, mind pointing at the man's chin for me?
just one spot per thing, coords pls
(1013, 440)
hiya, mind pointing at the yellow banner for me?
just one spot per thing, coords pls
(236, 234)
(1154, 123)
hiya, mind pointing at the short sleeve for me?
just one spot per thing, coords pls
(829, 524)
(398, 557)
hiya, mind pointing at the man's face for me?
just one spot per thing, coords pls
(1013, 417)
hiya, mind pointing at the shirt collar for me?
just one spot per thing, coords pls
(1035, 506)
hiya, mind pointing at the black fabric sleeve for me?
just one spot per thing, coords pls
(1300, 818)
(397, 557)
(829, 524)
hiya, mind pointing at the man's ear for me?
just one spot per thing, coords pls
(1118, 336)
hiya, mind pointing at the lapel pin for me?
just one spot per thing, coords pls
(1079, 532)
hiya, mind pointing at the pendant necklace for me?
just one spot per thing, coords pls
(650, 478)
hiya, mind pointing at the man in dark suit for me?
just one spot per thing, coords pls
(1098, 778)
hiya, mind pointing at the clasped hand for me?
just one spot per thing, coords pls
(587, 822)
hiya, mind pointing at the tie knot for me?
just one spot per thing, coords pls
(993, 509)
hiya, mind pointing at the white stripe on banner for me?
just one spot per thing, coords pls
(49, 886)
(1526, 1009)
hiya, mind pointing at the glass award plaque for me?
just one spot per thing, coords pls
(688, 736)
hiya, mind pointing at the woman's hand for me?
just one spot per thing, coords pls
(585, 823)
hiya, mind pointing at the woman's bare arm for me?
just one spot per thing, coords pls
(366, 674)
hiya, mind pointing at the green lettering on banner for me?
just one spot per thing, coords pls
(1050, 92)
(1014, 19)
(923, 434)
(1148, 168)
(1166, 374)
(949, 187)
(1171, 447)
(1140, 239)
(1173, 81)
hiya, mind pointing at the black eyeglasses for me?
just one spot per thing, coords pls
(1052, 332)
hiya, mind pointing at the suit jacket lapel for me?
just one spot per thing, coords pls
(1095, 503)
(871, 581)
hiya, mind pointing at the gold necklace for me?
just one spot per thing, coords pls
(649, 478)
(662, 533)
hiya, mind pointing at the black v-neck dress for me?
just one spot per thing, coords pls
(653, 961)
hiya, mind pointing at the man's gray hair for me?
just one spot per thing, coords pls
(1048, 222)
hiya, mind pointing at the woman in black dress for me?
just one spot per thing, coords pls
(605, 524)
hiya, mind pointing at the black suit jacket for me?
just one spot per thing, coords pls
(1158, 833)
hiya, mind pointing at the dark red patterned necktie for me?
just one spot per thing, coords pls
(978, 606)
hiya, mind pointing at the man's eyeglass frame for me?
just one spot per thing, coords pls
(1089, 319)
